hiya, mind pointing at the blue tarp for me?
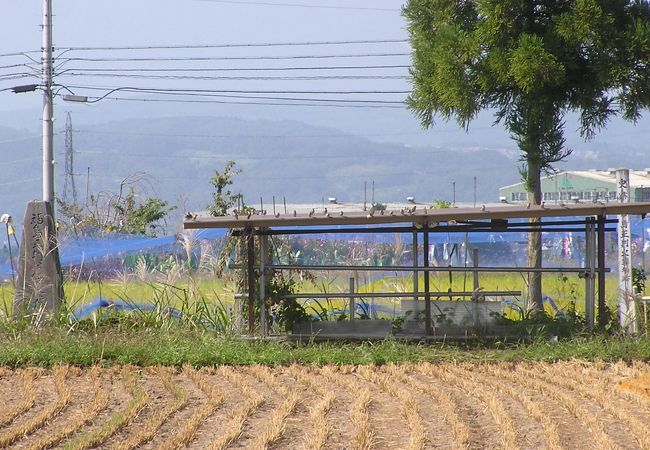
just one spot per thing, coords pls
(74, 250)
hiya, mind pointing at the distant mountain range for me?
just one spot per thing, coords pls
(287, 159)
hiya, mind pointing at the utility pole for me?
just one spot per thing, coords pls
(39, 284)
(48, 110)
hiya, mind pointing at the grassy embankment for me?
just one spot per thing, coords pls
(176, 347)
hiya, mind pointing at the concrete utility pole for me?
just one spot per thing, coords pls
(48, 110)
(39, 284)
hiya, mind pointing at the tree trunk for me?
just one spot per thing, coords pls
(534, 186)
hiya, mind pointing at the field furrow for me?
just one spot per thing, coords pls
(574, 406)
(147, 431)
(119, 419)
(532, 406)
(473, 387)
(214, 398)
(18, 432)
(409, 408)
(276, 424)
(483, 429)
(234, 427)
(458, 430)
(86, 414)
(562, 376)
(564, 405)
(364, 437)
(26, 398)
(319, 428)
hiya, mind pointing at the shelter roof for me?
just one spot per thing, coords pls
(416, 215)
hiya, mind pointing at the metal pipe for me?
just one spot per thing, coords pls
(429, 269)
(415, 262)
(352, 305)
(602, 314)
(262, 283)
(250, 261)
(590, 264)
(427, 295)
(400, 294)
(408, 229)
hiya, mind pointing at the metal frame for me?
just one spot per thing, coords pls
(427, 221)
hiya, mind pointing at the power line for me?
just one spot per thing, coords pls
(241, 78)
(3, 55)
(233, 58)
(219, 136)
(10, 66)
(238, 69)
(191, 91)
(301, 5)
(186, 157)
(169, 100)
(236, 45)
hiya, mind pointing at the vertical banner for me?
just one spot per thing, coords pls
(626, 306)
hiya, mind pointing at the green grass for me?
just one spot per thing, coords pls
(50, 347)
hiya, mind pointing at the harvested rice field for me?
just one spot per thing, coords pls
(570, 405)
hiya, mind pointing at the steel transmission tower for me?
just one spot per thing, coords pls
(69, 188)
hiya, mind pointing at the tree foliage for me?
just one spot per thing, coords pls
(223, 198)
(531, 61)
(128, 210)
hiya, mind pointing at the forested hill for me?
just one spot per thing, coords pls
(291, 159)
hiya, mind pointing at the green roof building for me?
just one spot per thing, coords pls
(581, 186)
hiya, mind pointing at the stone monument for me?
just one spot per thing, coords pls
(39, 289)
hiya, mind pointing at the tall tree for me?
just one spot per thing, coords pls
(531, 62)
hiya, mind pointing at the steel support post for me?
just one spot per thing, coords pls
(427, 295)
(602, 313)
(352, 302)
(475, 286)
(262, 283)
(250, 262)
(415, 273)
(590, 273)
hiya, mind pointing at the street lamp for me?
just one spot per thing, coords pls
(21, 89)
(75, 98)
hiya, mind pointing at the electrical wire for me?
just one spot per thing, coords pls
(238, 45)
(265, 136)
(233, 58)
(25, 53)
(241, 78)
(231, 69)
(169, 100)
(191, 91)
(261, 158)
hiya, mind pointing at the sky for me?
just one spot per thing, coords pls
(199, 22)
(83, 23)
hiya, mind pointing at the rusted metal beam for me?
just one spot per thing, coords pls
(419, 216)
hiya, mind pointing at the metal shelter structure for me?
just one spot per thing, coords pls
(591, 219)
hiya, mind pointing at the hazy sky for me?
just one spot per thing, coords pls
(79, 23)
(196, 22)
